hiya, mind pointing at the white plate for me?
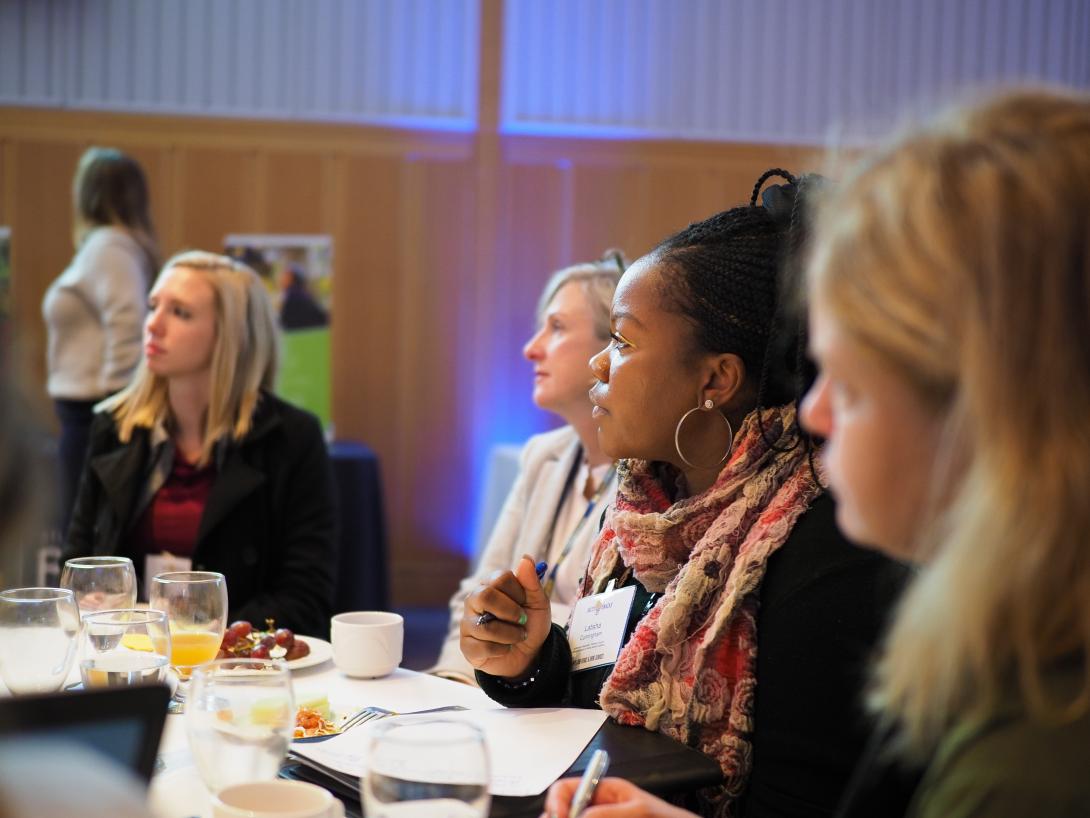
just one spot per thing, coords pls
(320, 651)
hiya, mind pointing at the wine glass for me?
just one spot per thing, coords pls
(240, 716)
(38, 630)
(125, 647)
(426, 767)
(100, 583)
(195, 602)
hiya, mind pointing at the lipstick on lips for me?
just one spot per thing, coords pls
(598, 409)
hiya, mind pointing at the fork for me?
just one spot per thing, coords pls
(372, 714)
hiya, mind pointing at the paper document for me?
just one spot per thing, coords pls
(527, 749)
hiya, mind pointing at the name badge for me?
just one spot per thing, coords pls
(161, 564)
(596, 632)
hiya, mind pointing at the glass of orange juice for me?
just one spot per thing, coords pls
(195, 602)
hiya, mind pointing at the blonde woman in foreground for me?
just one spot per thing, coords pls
(950, 316)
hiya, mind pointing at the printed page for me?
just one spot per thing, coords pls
(528, 749)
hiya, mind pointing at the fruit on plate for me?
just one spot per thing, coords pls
(318, 704)
(242, 641)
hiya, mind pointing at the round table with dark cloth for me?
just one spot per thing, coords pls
(362, 583)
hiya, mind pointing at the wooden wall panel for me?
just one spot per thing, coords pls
(432, 304)
(365, 291)
(534, 241)
(608, 200)
(294, 187)
(435, 385)
(41, 243)
(219, 194)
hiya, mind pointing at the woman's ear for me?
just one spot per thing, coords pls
(725, 380)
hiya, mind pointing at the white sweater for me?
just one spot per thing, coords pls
(94, 312)
(525, 526)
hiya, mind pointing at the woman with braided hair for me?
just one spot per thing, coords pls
(749, 618)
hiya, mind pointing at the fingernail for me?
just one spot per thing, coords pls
(523, 618)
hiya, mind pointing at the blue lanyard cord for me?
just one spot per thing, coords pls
(550, 581)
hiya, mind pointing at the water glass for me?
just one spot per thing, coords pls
(240, 716)
(426, 768)
(38, 630)
(100, 583)
(123, 648)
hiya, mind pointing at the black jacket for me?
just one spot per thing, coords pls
(268, 525)
(823, 607)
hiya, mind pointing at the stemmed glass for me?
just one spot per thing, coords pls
(100, 583)
(426, 767)
(122, 648)
(38, 630)
(195, 602)
(240, 716)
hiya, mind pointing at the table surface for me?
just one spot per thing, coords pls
(649, 759)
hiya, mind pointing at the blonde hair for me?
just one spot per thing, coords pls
(962, 256)
(109, 188)
(244, 357)
(598, 280)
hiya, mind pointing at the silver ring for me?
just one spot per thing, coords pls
(484, 619)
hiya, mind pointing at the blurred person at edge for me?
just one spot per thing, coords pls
(198, 459)
(30, 770)
(565, 482)
(751, 617)
(94, 310)
(948, 293)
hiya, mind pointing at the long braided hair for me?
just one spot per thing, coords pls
(730, 277)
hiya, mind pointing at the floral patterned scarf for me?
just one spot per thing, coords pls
(688, 669)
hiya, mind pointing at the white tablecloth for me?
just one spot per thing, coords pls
(177, 791)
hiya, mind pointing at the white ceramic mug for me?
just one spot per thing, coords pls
(367, 644)
(275, 799)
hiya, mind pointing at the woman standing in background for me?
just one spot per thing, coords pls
(94, 311)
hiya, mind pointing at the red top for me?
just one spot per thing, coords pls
(173, 517)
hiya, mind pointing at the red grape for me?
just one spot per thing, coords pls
(268, 640)
(260, 652)
(285, 638)
(230, 639)
(241, 628)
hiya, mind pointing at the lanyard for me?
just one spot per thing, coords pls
(550, 580)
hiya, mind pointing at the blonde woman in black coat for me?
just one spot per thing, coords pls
(197, 459)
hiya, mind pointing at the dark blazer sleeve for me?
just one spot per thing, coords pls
(824, 606)
(551, 675)
(79, 539)
(300, 593)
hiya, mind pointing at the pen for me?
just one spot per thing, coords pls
(487, 617)
(599, 763)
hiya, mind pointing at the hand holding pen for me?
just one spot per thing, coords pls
(506, 620)
(612, 798)
(488, 616)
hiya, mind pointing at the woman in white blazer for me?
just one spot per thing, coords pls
(565, 482)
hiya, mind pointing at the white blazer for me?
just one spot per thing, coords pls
(525, 526)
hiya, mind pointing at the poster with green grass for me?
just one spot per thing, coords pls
(298, 272)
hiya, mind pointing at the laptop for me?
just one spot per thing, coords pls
(122, 723)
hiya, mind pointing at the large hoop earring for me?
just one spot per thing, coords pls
(706, 406)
